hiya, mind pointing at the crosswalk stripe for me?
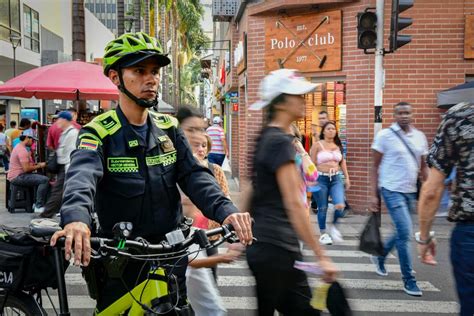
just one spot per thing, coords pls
(404, 306)
(342, 266)
(332, 253)
(361, 305)
(365, 305)
(384, 285)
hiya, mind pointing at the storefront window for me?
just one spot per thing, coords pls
(9, 19)
(329, 96)
(31, 29)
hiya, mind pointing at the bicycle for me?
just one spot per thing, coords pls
(150, 297)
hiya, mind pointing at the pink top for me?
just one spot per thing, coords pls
(325, 156)
(19, 155)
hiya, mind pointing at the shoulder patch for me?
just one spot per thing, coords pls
(90, 136)
(105, 124)
(163, 121)
(88, 144)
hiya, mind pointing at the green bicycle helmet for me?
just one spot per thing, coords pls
(132, 48)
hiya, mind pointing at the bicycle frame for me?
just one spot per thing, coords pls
(148, 290)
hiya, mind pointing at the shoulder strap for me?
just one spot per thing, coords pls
(322, 147)
(211, 167)
(412, 153)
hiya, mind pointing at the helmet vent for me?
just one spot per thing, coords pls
(112, 53)
(133, 41)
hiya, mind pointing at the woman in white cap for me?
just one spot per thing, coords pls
(280, 215)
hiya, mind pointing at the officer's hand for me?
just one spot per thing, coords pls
(79, 234)
(242, 225)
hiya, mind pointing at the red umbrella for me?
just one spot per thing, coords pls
(74, 80)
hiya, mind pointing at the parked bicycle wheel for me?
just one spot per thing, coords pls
(20, 304)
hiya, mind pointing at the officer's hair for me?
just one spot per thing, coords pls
(186, 111)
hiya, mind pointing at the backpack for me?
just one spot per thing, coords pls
(26, 262)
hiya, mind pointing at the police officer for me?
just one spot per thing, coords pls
(128, 162)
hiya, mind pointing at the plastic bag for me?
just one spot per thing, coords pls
(370, 239)
(226, 165)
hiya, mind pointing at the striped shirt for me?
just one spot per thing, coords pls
(216, 133)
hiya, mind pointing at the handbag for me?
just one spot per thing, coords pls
(52, 165)
(412, 153)
(370, 239)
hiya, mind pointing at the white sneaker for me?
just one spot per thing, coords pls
(39, 209)
(335, 234)
(325, 239)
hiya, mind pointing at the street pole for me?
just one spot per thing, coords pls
(14, 61)
(379, 71)
(379, 81)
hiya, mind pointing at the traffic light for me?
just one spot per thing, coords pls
(399, 23)
(366, 30)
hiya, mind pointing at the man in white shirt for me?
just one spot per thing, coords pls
(67, 143)
(399, 154)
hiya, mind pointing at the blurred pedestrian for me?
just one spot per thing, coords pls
(190, 120)
(453, 146)
(22, 168)
(15, 134)
(11, 129)
(4, 148)
(399, 154)
(8, 133)
(331, 165)
(279, 212)
(219, 144)
(201, 276)
(66, 145)
(55, 131)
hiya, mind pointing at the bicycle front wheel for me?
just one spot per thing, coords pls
(20, 304)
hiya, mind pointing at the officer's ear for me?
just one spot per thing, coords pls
(114, 77)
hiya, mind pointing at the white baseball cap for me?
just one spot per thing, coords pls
(281, 81)
(217, 120)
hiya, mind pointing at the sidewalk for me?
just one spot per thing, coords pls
(350, 226)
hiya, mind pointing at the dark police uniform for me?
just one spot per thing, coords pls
(125, 179)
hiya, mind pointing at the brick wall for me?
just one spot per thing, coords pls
(432, 62)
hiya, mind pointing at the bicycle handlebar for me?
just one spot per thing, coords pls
(198, 236)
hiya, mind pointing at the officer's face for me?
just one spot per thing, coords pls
(143, 79)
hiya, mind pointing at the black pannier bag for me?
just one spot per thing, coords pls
(26, 262)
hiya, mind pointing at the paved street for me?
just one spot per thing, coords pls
(368, 293)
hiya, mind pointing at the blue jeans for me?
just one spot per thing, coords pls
(399, 207)
(462, 259)
(6, 162)
(34, 180)
(218, 159)
(334, 187)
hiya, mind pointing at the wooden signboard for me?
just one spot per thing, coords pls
(469, 37)
(308, 43)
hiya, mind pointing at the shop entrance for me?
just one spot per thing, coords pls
(329, 96)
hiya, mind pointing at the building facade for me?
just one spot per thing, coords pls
(42, 31)
(319, 38)
(106, 12)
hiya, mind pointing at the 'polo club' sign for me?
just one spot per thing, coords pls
(309, 43)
